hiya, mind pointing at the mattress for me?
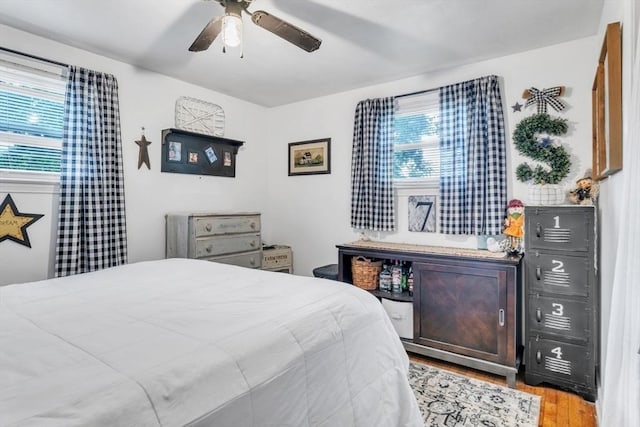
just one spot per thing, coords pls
(187, 342)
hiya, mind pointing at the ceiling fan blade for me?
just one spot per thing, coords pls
(207, 35)
(290, 33)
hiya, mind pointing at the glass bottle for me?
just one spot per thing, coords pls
(410, 280)
(385, 278)
(396, 278)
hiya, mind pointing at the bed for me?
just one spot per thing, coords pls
(187, 342)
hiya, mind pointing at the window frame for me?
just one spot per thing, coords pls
(429, 183)
(37, 68)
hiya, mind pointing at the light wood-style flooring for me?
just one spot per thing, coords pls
(558, 408)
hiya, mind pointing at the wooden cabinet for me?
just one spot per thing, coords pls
(562, 298)
(465, 303)
(230, 238)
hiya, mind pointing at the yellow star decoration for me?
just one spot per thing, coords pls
(13, 224)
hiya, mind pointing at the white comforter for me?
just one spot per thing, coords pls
(184, 342)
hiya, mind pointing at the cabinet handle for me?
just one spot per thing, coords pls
(538, 272)
(538, 314)
(208, 227)
(501, 316)
(538, 357)
(538, 230)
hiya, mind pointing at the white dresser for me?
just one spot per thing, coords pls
(230, 238)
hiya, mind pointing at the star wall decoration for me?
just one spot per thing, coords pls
(13, 224)
(143, 154)
(517, 107)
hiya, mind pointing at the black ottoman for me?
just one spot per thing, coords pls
(329, 271)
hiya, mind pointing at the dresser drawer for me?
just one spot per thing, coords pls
(207, 226)
(558, 273)
(564, 317)
(559, 228)
(220, 245)
(276, 257)
(247, 259)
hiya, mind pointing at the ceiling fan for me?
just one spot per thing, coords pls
(230, 25)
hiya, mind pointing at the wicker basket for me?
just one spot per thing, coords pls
(365, 272)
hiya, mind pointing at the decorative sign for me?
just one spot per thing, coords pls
(422, 213)
(196, 115)
(13, 224)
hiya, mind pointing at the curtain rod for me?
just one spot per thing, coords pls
(39, 58)
(416, 93)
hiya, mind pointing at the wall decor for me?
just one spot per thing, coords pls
(143, 153)
(310, 157)
(422, 213)
(540, 98)
(196, 115)
(14, 224)
(198, 154)
(606, 98)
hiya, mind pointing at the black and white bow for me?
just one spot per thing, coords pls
(544, 97)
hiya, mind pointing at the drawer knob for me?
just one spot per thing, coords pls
(208, 227)
(538, 357)
(538, 272)
(252, 261)
(252, 243)
(538, 230)
(208, 249)
(538, 315)
(253, 225)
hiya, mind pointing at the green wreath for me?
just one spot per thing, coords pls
(524, 138)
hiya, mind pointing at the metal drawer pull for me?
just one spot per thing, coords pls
(538, 314)
(252, 244)
(208, 248)
(253, 225)
(538, 230)
(538, 272)
(501, 316)
(538, 357)
(208, 227)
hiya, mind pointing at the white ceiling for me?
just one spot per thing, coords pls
(364, 42)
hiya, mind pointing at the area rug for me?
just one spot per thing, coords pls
(451, 400)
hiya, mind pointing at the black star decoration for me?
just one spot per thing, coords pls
(13, 224)
(517, 107)
(143, 154)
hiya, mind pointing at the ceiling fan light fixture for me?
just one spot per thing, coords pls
(231, 30)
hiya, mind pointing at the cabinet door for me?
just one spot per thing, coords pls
(559, 228)
(465, 310)
(558, 273)
(563, 317)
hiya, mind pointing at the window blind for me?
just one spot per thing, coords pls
(31, 114)
(416, 128)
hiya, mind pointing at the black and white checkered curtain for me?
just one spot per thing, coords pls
(473, 188)
(91, 219)
(372, 205)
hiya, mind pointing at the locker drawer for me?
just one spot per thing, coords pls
(560, 361)
(559, 228)
(211, 246)
(558, 273)
(567, 318)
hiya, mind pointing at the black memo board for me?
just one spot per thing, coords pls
(198, 154)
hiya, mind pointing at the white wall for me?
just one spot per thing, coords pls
(146, 100)
(312, 213)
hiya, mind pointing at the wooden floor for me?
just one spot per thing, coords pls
(558, 408)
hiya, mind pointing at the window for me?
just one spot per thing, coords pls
(416, 153)
(31, 109)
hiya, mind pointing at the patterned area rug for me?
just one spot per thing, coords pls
(450, 400)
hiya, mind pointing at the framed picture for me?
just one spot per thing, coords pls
(193, 156)
(310, 157)
(422, 213)
(175, 151)
(606, 97)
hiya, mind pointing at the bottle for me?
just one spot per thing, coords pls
(405, 273)
(396, 278)
(410, 281)
(385, 278)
